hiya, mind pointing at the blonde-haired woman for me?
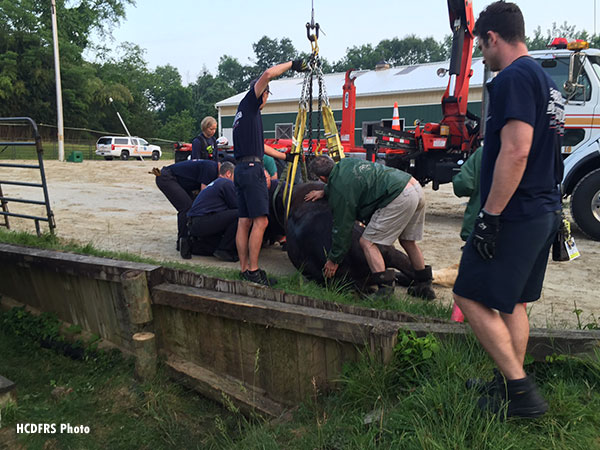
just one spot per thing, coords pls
(204, 146)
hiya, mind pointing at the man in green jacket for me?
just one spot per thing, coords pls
(389, 201)
(466, 184)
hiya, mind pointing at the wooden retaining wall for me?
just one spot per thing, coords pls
(262, 348)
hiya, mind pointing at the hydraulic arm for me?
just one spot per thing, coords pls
(454, 101)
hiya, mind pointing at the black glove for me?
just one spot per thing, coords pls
(289, 157)
(485, 233)
(299, 65)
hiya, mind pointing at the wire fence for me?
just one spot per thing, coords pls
(87, 149)
(76, 139)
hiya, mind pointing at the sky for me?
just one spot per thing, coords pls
(193, 34)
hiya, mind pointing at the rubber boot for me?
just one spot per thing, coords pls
(422, 285)
(384, 281)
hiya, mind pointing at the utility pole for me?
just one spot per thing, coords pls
(119, 116)
(59, 106)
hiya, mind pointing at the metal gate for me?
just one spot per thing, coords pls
(4, 201)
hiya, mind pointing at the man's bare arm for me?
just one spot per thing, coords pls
(268, 75)
(516, 138)
(274, 153)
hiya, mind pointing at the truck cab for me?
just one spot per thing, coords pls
(577, 75)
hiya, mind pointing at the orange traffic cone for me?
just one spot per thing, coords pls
(396, 118)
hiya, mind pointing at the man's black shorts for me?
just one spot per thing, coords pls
(251, 189)
(516, 273)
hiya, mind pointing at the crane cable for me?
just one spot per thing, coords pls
(305, 107)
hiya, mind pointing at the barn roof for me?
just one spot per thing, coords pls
(395, 80)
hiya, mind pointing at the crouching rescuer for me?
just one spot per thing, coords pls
(389, 201)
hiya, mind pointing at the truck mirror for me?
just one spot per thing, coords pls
(572, 85)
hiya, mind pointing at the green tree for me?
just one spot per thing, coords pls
(27, 62)
(166, 94)
(207, 91)
(233, 73)
(270, 52)
(361, 57)
(411, 50)
(180, 126)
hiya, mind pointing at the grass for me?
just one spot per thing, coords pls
(103, 395)
(295, 284)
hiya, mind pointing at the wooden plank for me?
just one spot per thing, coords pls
(312, 364)
(283, 352)
(249, 399)
(226, 345)
(255, 359)
(542, 341)
(245, 288)
(71, 263)
(328, 324)
(15, 282)
(171, 331)
(334, 361)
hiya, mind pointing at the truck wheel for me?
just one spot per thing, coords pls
(585, 204)
(124, 155)
(155, 156)
(108, 158)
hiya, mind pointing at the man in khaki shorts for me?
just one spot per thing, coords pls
(389, 201)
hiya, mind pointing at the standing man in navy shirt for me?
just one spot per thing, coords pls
(504, 260)
(250, 182)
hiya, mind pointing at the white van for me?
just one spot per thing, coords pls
(126, 147)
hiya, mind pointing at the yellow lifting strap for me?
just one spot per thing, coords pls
(334, 145)
(297, 152)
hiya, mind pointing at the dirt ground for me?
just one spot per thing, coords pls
(115, 205)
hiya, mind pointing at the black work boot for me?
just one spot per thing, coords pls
(185, 248)
(521, 397)
(488, 388)
(421, 287)
(384, 281)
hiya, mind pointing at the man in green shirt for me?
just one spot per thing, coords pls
(270, 166)
(466, 184)
(389, 201)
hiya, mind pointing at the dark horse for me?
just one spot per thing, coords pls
(308, 234)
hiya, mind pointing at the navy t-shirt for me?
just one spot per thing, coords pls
(248, 138)
(523, 91)
(191, 174)
(216, 197)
